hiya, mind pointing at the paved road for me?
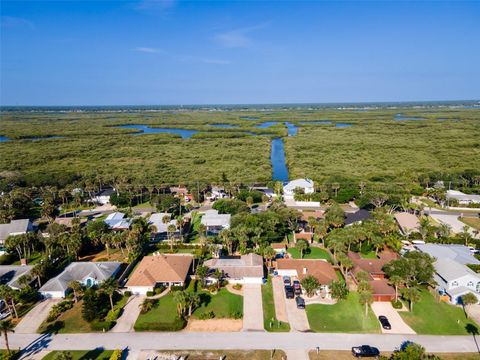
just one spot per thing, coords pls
(129, 316)
(399, 326)
(35, 317)
(452, 220)
(235, 340)
(252, 307)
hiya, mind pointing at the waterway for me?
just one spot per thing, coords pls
(184, 133)
(277, 158)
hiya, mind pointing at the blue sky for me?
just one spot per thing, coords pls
(174, 52)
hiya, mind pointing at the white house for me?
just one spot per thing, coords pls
(215, 222)
(454, 279)
(117, 221)
(463, 199)
(156, 220)
(246, 269)
(87, 273)
(103, 197)
(306, 185)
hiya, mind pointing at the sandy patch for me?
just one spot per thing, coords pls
(214, 325)
(230, 288)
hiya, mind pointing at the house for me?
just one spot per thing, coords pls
(156, 220)
(215, 222)
(265, 190)
(160, 269)
(246, 269)
(322, 270)
(305, 185)
(279, 248)
(15, 227)
(357, 217)
(307, 236)
(218, 192)
(408, 223)
(461, 198)
(454, 280)
(181, 192)
(87, 273)
(68, 221)
(382, 291)
(117, 221)
(459, 253)
(103, 197)
(10, 275)
(309, 214)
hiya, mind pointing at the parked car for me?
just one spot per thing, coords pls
(300, 302)
(289, 293)
(365, 351)
(385, 323)
(287, 280)
(297, 287)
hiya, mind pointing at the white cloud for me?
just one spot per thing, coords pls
(238, 38)
(148, 50)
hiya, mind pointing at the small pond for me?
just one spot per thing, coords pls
(184, 133)
(292, 129)
(400, 117)
(266, 124)
(4, 138)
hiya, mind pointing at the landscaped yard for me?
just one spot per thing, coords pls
(96, 354)
(346, 316)
(163, 317)
(432, 317)
(224, 304)
(471, 221)
(270, 322)
(229, 354)
(311, 253)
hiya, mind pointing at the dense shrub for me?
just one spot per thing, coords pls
(113, 314)
(150, 293)
(59, 309)
(176, 288)
(230, 206)
(236, 315)
(159, 289)
(98, 325)
(127, 293)
(176, 325)
(116, 355)
(207, 315)
(397, 304)
(96, 305)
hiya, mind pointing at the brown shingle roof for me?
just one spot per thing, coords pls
(161, 268)
(317, 214)
(304, 235)
(381, 287)
(320, 269)
(371, 266)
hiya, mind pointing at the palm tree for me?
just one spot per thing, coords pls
(218, 274)
(6, 326)
(396, 281)
(321, 230)
(110, 287)
(202, 272)
(310, 284)
(412, 295)
(77, 288)
(170, 231)
(335, 187)
(226, 236)
(301, 246)
(465, 235)
(269, 254)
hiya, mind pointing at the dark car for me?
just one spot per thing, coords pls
(385, 323)
(287, 280)
(300, 302)
(365, 351)
(289, 293)
(297, 287)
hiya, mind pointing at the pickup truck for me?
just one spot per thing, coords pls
(365, 351)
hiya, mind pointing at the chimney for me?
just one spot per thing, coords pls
(305, 270)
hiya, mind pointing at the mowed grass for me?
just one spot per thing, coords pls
(471, 221)
(96, 354)
(224, 304)
(346, 316)
(432, 317)
(163, 317)
(270, 322)
(310, 253)
(71, 321)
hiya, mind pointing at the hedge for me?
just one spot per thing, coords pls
(177, 325)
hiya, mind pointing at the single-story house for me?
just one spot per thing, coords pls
(215, 222)
(322, 270)
(382, 291)
(306, 185)
(181, 192)
(316, 214)
(304, 235)
(462, 198)
(68, 221)
(279, 248)
(408, 223)
(103, 197)
(160, 269)
(454, 280)
(246, 269)
(156, 219)
(10, 275)
(15, 227)
(87, 273)
(456, 252)
(117, 221)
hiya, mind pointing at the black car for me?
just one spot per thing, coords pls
(300, 302)
(385, 323)
(297, 287)
(365, 351)
(287, 280)
(289, 293)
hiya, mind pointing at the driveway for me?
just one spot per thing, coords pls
(296, 317)
(279, 299)
(252, 307)
(35, 317)
(129, 315)
(398, 325)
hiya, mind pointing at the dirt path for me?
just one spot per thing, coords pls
(214, 325)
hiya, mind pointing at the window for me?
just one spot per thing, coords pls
(455, 283)
(470, 284)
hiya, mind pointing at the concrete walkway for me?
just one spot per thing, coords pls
(297, 354)
(35, 317)
(399, 326)
(279, 299)
(130, 314)
(252, 307)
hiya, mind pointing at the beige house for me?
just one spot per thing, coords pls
(407, 222)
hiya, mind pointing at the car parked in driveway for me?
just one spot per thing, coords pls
(365, 351)
(300, 302)
(289, 293)
(287, 280)
(297, 287)
(385, 323)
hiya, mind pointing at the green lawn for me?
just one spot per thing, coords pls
(311, 253)
(71, 321)
(346, 316)
(269, 317)
(163, 317)
(83, 354)
(473, 222)
(368, 255)
(224, 304)
(432, 317)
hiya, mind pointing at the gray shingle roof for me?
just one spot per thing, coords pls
(9, 274)
(451, 270)
(19, 226)
(213, 218)
(80, 271)
(459, 253)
